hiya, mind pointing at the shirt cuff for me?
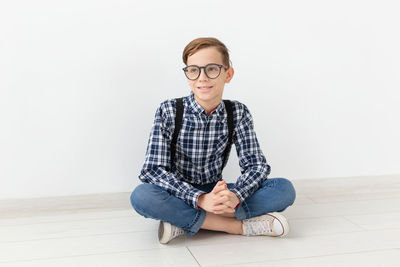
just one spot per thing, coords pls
(193, 197)
(238, 194)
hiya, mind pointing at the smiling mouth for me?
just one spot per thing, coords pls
(204, 87)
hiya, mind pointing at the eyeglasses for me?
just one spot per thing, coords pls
(212, 71)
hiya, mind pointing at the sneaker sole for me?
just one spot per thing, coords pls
(283, 221)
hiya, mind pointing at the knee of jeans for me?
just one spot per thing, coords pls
(288, 190)
(139, 196)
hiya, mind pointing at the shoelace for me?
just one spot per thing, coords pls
(176, 231)
(257, 226)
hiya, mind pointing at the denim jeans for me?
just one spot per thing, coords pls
(151, 201)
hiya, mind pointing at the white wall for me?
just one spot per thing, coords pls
(80, 82)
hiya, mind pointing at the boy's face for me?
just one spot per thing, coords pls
(208, 92)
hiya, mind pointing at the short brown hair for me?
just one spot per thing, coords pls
(204, 42)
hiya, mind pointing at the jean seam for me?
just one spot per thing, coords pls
(246, 213)
(246, 210)
(189, 226)
(195, 221)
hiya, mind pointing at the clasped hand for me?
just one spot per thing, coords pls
(220, 200)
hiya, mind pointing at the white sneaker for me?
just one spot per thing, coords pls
(270, 224)
(167, 232)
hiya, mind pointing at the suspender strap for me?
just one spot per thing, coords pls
(178, 126)
(228, 107)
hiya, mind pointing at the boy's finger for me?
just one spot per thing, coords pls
(223, 208)
(222, 182)
(222, 185)
(219, 187)
(218, 207)
(220, 193)
(222, 200)
(226, 210)
(230, 204)
(217, 191)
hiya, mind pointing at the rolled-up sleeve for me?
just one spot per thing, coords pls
(253, 165)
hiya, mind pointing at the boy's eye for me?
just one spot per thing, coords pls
(212, 69)
(192, 70)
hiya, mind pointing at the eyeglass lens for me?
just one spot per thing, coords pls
(212, 71)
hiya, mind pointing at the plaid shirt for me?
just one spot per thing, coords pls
(200, 148)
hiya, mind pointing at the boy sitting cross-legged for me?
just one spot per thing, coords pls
(189, 146)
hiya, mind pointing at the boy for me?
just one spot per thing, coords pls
(182, 184)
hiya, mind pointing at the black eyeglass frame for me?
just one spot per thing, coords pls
(185, 69)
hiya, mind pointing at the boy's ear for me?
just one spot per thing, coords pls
(229, 75)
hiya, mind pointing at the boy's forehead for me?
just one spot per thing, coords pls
(205, 56)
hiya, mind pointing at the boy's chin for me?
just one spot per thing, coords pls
(210, 91)
(207, 97)
(200, 93)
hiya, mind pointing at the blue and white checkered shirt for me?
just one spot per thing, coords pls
(200, 150)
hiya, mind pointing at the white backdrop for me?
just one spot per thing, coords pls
(80, 82)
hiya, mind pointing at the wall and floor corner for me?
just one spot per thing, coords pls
(80, 83)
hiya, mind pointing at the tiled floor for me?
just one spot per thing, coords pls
(335, 222)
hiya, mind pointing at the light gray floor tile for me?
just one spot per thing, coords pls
(267, 248)
(70, 216)
(177, 257)
(333, 221)
(387, 258)
(321, 226)
(299, 228)
(354, 185)
(77, 228)
(11, 208)
(303, 200)
(75, 246)
(376, 221)
(374, 206)
(345, 197)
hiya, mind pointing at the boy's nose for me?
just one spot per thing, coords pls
(203, 75)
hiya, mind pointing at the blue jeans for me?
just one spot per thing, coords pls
(151, 201)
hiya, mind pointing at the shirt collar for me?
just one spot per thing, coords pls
(197, 109)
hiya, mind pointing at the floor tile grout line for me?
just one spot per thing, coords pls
(198, 263)
(67, 237)
(345, 201)
(56, 215)
(309, 257)
(347, 219)
(384, 194)
(162, 248)
(15, 220)
(329, 216)
(150, 231)
(314, 235)
(310, 197)
(76, 220)
(312, 200)
(306, 195)
(105, 218)
(92, 254)
(302, 218)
